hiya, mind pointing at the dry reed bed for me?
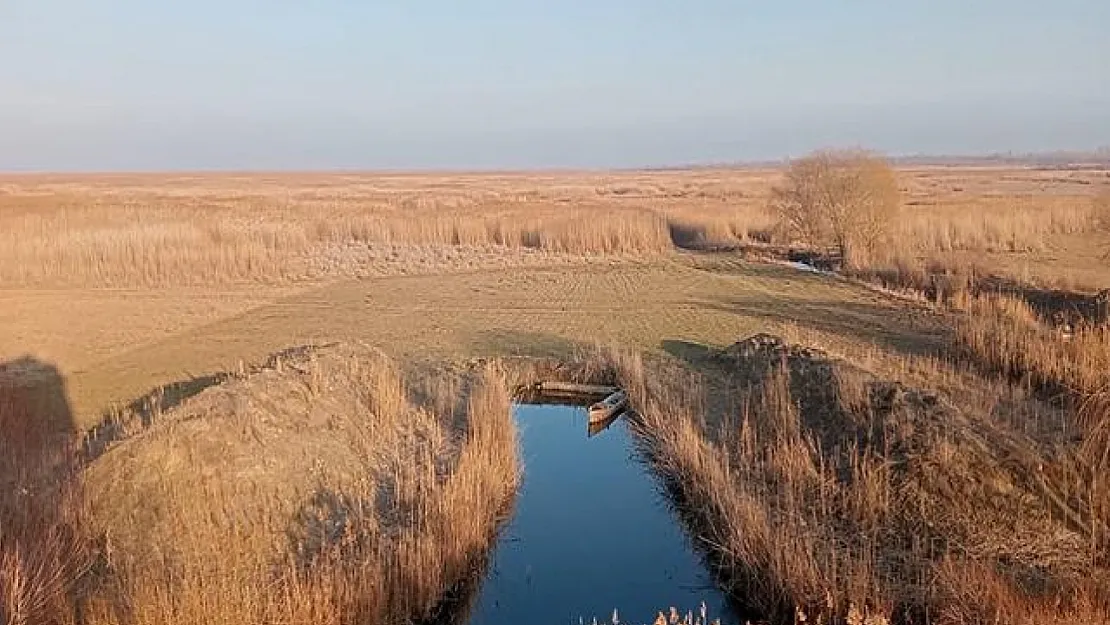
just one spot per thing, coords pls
(1004, 336)
(994, 224)
(1008, 337)
(169, 231)
(316, 490)
(837, 495)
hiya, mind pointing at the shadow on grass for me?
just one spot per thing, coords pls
(1054, 305)
(756, 267)
(36, 421)
(696, 354)
(888, 327)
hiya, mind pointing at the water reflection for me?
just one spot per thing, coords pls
(591, 532)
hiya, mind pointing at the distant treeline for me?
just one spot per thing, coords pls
(1095, 159)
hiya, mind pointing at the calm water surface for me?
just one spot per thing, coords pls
(592, 532)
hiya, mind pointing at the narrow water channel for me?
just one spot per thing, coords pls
(592, 532)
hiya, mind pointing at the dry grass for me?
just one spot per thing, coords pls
(1094, 463)
(836, 495)
(821, 491)
(993, 224)
(161, 236)
(1004, 336)
(1101, 209)
(313, 490)
(1022, 246)
(1007, 336)
(127, 231)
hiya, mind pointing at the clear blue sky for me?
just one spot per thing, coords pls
(162, 84)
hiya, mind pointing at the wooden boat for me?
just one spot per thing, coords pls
(609, 407)
(597, 427)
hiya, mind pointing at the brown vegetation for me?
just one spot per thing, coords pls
(1102, 210)
(131, 231)
(846, 498)
(993, 224)
(1101, 215)
(326, 489)
(43, 556)
(1004, 336)
(849, 200)
(311, 491)
(1007, 336)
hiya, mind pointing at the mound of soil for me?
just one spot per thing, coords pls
(265, 452)
(841, 402)
(319, 488)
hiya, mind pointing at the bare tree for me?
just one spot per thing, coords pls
(848, 199)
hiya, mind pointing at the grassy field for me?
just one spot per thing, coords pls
(141, 291)
(155, 258)
(151, 231)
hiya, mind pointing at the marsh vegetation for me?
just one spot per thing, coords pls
(926, 441)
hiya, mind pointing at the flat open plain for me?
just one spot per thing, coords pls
(127, 282)
(915, 440)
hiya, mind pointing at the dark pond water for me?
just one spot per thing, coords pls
(592, 532)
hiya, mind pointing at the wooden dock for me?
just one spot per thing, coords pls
(577, 389)
(604, 404)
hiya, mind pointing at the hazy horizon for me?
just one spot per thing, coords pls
(250, 85)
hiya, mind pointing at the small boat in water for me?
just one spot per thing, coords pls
(594, 428)
(609, 407)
